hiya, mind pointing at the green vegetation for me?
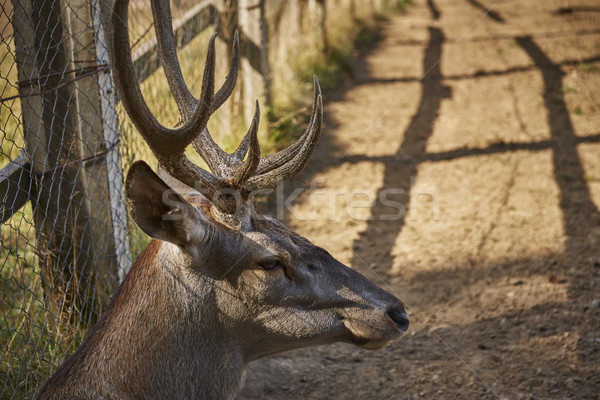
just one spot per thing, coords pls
(402, 5)
(332, 65)
(591, 178)
(33, 342)
(587, 67)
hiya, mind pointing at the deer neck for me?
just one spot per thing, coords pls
(160, 336)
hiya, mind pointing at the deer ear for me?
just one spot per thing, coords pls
(160, 211)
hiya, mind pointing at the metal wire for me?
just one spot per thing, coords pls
(50, 293)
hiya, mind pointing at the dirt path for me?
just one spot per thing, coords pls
(490, 126)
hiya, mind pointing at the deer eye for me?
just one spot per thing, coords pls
(271, 265)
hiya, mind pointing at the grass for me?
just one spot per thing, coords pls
(587, 67)
(400, 6)
(591, 178)
(331, 65)
(30, 347)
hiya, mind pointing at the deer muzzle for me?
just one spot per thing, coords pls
(373, 329)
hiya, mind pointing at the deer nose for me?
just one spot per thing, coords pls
(400, 318)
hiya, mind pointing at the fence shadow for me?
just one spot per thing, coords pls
(509, 336)
(580, 213)
(572, 10)
(479, 73)
(387, 218)
(434, 10)
(526, 335)
(494, 148)
(488, 11)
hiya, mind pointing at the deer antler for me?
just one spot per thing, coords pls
(229, 171)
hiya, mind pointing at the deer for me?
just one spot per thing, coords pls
(220, 285)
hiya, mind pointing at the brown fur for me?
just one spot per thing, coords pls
(142, 272)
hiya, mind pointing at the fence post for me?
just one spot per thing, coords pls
(254, 63)
(98, 126)
(70, 134)
(324, 32)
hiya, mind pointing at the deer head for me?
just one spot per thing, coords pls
(222, 280)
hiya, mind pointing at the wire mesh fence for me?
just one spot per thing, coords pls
(65, 239)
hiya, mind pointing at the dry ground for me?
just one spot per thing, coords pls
(491, 125)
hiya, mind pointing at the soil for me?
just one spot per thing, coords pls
(490, 123)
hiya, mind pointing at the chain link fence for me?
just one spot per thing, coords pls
(65, 238)
(63, 234)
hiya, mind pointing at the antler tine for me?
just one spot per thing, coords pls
(229, 84)
(186, 102)
(284, 156)
(272, 177)
(206, 147)
(217, 159)
(242, 149)
(167, 51)
(248, 168)
(163, 141)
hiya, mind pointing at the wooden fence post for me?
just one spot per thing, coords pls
(98, 125)
(70, 134)
(254, 63)
(324, 32)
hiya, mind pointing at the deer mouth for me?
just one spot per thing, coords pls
(370, 343)
(371, 335)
